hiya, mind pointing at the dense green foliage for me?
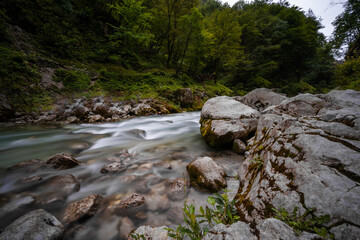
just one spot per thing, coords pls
(119, 44)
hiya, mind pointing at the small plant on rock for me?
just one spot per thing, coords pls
(258, 161)
(307, 222)
(222, 211)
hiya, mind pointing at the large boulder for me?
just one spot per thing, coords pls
(306, 157)
(82, 209)
(206, 174)
(262, 98)
(224, 119)
(298, 106)
(37, 224)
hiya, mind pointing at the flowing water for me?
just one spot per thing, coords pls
(159, 148)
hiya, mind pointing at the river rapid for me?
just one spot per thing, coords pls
(159, 147)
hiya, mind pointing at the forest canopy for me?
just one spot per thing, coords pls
(251, 44)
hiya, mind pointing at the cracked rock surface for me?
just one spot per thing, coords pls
(309, 147)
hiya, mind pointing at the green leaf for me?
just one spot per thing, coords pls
(211, 200)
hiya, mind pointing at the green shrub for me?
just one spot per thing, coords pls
(348, 74)
(72, 80)
(222, 211)
(307, 222)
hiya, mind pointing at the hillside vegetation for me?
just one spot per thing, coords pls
(133, 49)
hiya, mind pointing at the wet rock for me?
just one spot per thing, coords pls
(126, 226)
(137, 133)
(72, 119)
(62, 184)
(82, 209)
(179, 189)
(79, 147)
(157, 202)
(14, 209)
(175, 215)
(239, 146)
(73, 232)
(224, 119)
(31, 179)
(123, 154)
(112, 168)
(63, 161)
(95, 118)
(30, 165)
(130, 205)
(51, 200)
(151, 233)
(102, 109)
(37, 224)
(262, 98)
(144, 109)
(236, 231)
(206, 174)
(141, 216)
(78, 110)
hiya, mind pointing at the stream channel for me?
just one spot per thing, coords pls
(159, 149)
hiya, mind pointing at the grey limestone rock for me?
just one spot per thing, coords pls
(151, 233)
(308, 159)
(236, 231)
(262, 98)
(206, 174)
(37, 224)
(224, 119)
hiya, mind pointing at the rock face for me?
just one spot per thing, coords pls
(306, 154)
(82, 209)
(37, 224)
(206, 174)
(238, 231)
(63, 161)
(224, 119)
(262, 98)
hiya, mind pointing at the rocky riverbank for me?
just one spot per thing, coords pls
(300, 153)
(83, 110)
(302, 156)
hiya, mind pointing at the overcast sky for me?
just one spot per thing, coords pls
(321, 8)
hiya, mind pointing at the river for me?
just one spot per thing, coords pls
(159, 146)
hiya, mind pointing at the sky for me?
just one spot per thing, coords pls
(321, 8)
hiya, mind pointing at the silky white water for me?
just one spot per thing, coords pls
(161, 146)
